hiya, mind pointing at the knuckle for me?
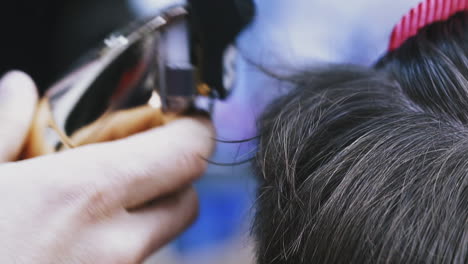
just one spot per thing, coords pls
(100, 204)
(97, 206)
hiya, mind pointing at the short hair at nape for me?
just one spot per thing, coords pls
(359, 165)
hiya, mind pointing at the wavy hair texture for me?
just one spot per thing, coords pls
(360, 165)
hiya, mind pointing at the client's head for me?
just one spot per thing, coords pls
(361, 165)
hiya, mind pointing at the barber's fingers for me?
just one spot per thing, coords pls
(158, 162)
(18, 99)
(138, 169)
(164, 220)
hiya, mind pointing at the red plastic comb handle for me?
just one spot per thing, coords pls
(426, 13)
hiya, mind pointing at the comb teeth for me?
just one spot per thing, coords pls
(426, 13)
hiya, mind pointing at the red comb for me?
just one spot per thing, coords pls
(424, 14)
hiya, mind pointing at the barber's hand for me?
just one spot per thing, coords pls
(106, 203)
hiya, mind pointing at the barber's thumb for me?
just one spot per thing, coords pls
(18, 99)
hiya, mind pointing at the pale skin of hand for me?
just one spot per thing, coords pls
(91, 204)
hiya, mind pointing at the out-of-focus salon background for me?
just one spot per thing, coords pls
(45, 37)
